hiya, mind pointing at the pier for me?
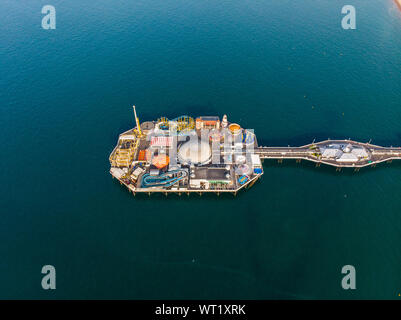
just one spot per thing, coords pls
(225, 158)
(336, 153)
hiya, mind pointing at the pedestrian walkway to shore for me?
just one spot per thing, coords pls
(337, 153)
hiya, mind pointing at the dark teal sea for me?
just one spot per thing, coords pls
(283, 68)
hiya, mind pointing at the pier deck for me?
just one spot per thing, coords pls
(311, 152)
(224, 160)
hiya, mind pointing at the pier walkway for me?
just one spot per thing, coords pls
(337, 153)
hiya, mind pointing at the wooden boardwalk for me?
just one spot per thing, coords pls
(311, 152)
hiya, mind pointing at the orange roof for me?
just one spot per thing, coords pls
(234, 127)
(160, 161)
(141, 155)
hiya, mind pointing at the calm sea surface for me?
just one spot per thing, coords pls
(283, 68)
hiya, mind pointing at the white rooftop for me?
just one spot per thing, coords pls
(342, 152)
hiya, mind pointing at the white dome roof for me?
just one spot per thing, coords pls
(194, 152)
(348, 148)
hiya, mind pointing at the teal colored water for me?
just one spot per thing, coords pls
(283, 68)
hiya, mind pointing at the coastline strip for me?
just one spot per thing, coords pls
(398, 3)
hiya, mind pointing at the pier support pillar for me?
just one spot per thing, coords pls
(280, 160)
(251, 184)
(338, 169)
(188, 194)
(317, 165)
(298, 160)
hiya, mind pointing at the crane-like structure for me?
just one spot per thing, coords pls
(138, 126)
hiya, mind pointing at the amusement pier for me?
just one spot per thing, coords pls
(205, 154)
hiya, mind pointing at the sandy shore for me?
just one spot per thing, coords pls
(398, 3)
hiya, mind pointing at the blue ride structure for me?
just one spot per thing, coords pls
(165, 180)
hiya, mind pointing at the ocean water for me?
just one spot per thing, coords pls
(283, 68)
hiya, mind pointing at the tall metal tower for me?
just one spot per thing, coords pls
(137, 123)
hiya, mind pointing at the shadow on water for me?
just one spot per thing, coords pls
(305, 165)
(328, 170)
(175, 196)
(193, 197)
